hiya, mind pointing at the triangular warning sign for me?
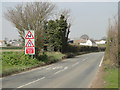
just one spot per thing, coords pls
(29, 44)
(29, 35)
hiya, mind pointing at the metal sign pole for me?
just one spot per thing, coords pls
(32, 56)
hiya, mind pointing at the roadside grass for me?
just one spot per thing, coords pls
(111, 75)
(56, 55)
(11, 48)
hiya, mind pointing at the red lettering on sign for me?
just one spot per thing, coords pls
(29, 50)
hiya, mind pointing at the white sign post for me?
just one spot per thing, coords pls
(29, 42)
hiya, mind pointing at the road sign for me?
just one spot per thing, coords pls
(29, 42)
(30, 50)
(29, 35)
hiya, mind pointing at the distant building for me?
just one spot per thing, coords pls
(85, 37)
(70, 41)
(2, 43)
(88, 43)
(78, 41)
(14, 43)
(101, 42)
(84, 40)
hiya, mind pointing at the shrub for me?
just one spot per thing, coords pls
(18, 59)
(78, 48)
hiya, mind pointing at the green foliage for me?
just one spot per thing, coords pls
(43, 57)
(78, 48)
(56, 34)
(11, 47)
(13, 62)
(51, 57)
(18, 59)
(111, 78)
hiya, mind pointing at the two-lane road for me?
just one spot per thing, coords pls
(75, 72)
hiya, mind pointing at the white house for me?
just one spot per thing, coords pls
(101, 42)
(88, 43)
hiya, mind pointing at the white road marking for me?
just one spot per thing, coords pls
(1, 78)
(61, 70)
(48, 68)
(39, 68)
(58, 67)
(31, 82)
(75, 64)
(54, 68)
(84, 59)
(101, 61)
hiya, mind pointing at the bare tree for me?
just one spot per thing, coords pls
(112, 41)
(31, 17)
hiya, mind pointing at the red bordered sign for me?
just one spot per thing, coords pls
(29, 35)
(29, 42)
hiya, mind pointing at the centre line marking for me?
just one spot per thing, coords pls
(31, 82)
(75, 64)
(84, 59)
(61, 70)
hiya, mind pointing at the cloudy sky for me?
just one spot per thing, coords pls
(89, 18)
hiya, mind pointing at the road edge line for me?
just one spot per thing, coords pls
(101, 62)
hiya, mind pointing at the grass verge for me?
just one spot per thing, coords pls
(111, 74)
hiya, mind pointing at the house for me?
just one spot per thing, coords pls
(84, 42)
(82, 39)
(2, 43)
(88, 43)
(101, 42)
(14, 43)
(85, 37)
